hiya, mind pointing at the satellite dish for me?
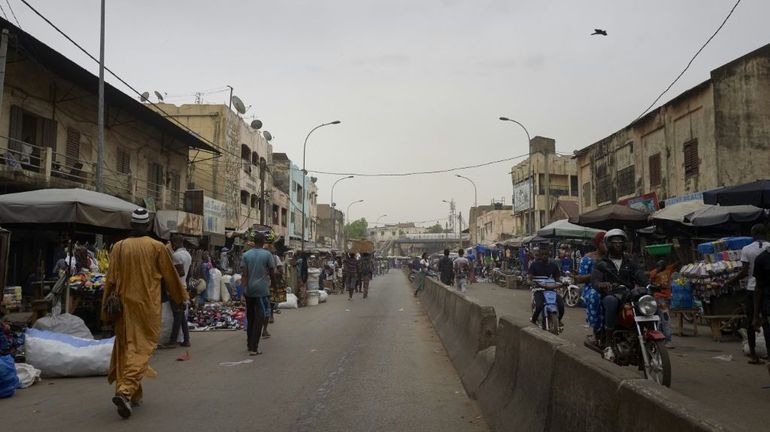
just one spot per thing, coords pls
(256, 124)
(238, 104)
(267, 135)
(159, 96)
(145, 97)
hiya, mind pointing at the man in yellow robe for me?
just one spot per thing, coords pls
(138, 264)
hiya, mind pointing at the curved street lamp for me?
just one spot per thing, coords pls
(304, 175)
(378, 219)
(475, 191)
(531, 179)
(334, 205)
(347, 217)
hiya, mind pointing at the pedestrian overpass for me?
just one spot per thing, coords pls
(416, 244)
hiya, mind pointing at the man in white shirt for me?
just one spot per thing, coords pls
(748, 254)
(182, 261)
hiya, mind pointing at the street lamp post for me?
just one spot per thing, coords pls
(347, 218)
(378, 221)
(446, 230)
(531, 179)
(334, 205)
(304, 175)
(475, 205)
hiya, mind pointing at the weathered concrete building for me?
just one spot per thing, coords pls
(241, 177)
(495, 225)
(49, 132)
(714, 134)
(289, 179)
(331, 223)
(554, 178)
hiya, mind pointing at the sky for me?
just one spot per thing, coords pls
(417, 84)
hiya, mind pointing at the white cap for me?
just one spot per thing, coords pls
(140, 216)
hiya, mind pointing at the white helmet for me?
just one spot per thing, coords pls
(614, 233)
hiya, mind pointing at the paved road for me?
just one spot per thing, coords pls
(365, 365)
(736, 392)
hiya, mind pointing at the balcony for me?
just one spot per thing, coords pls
(34, 167)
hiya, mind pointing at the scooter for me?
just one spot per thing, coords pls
(549, 319)
(569, 291)
(637, 340)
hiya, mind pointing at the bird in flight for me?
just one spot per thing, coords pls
(599, 32)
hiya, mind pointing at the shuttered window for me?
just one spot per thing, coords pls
(626, 181)
(124, 161)
(587, 194)
(655, 169)
(691, 160)
(73, 146)
(175, 194)
(154, 180)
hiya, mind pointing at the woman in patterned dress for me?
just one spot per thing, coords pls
(591, 297)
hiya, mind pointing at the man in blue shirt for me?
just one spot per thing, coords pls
(258, 272)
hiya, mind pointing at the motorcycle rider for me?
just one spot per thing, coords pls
(544, 267)
(613, 269)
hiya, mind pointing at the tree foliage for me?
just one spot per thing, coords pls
(356, 229)
(436, 229)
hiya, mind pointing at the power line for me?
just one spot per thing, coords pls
(167, 115)
(689, 63)
(3, 11)
(12, 13)
(406, 174)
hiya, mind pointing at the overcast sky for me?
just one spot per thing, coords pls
(418, 84)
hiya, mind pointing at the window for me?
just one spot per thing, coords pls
(29, 135)
(283, 216)
(691, 160)
(175, 193)
(626, 182)
(244, 197)
(276, 215)
(124, 161)
(254, 201)
(540, 184)
(154, 180)
(293, 218)
(587, 194)
(655, 169)
(573, 185)
(73, 146)
(254, 158)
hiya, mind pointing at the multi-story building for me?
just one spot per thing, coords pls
(290, 179)
(280, 212)
(49, 111)
(241, 177)
(331, 225)
(714, 134)
(495, 225)
(554, 178)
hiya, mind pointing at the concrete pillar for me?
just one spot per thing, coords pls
(47, 163)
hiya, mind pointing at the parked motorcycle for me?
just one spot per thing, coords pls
(549, 319)
(569, 291)
(637, 340)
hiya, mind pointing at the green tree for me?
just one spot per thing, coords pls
(356, 229)
(436, 229)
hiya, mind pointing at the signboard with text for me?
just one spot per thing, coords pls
(214, 215)
(647, 203)
(522, 196)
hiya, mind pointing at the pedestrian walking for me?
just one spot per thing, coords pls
(445, 270)
(365, 270)
(748, 254)
(350, 273)
(258, 270)
(423, 265)
(461, 271)
(761, 312)
(182, 260)
(131, 299)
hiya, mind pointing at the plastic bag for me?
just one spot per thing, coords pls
(323, 296)
(66, 324)
(8, 379)
(213, 292)
(167, 324)
(60, 355)
(290, 303)
(27, 374)
(760, 349)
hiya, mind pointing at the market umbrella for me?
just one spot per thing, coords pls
(718, 215)
(756, 193)
(677, 212)
(613, 216)
(69, 206)
(563, 228)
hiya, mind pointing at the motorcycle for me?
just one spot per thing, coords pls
(549, 319)
(637, 340)
(569, 291)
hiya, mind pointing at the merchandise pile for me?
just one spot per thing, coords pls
(217, 316)
(86, 282)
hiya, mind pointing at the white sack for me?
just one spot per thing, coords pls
(60, 355)
(27, 374)
(167, 324)
(214, 291)
(323, 295)
(65, 323)
(761, 349)
(290, 303)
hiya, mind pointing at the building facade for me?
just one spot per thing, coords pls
(331, 225)
(712, 135)
(290, 179)
(48, 124)
(495, 225)
(554, 178)
(241, 177)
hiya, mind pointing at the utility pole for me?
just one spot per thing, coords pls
(547, 170)
(262, 167)
(100, 112)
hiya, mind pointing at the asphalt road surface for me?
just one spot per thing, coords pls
(363, 365)
(715, 374)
